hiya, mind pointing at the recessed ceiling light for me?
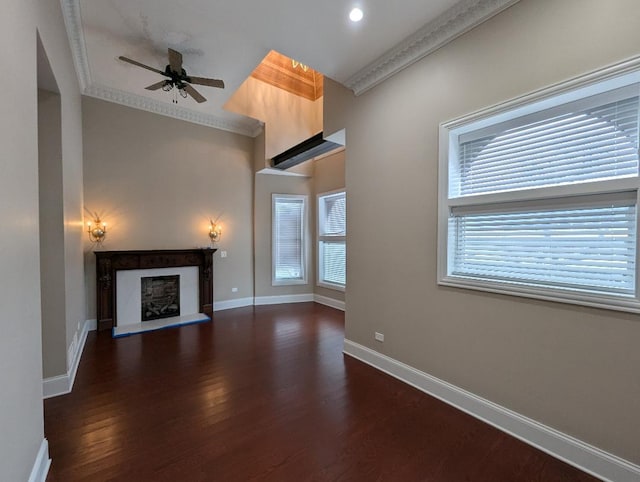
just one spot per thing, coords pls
(356, 15)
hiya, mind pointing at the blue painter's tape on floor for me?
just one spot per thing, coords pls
(155, 325)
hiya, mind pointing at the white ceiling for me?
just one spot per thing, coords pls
(227, 39)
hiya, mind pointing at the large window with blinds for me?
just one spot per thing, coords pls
(332, 232)
(289, 218)
(540, 199)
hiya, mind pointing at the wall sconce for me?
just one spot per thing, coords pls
(215, 231)
(97, 230)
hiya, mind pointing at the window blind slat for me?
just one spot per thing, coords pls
(623, 114)
(594, 148)
(333, 262)
(593, 144)
(584, 248)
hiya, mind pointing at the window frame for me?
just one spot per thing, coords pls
(303, 280)
(596, 83)
(320, 238)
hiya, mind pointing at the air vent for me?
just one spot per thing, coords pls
(313, 147)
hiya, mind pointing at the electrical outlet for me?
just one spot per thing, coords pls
(234, 290)
(379, 336)
(223, 254)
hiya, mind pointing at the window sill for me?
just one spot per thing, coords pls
(288, 282)
(574, 297)
(330, 286)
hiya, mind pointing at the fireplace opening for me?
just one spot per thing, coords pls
(160, 297)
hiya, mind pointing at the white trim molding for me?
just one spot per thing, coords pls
(63, 384)
(325, 300)
(230, 304)
(276, 300)
(248, 128)
(586, 457)
(73, 24)
(41, 464)
(55, 386)
(459, 19)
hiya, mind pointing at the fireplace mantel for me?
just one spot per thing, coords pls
(108, 262)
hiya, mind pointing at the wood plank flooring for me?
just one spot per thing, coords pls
(265, 393)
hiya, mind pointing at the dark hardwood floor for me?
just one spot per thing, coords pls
(265, 393)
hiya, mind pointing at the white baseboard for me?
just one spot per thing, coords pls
(276, 300)
(229, 304)
(42, 463)
(54, 386)
(325, 300)
(62, 384)
(590, 459)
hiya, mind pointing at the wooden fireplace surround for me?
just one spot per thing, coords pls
(108, 262)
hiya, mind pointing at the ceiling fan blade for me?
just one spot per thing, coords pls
(194, 93)
(157, 85)
(203, 81)
(125, 59)
(175, 60)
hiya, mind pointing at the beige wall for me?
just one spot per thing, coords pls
(289, 119)
(21, 419)
(265, 186)
(328, 175)
(259, 157)
(157, 181)
(574, 369)
(51, 214)
(337, 102)
(56, 45)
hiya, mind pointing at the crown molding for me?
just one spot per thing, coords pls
(73, 23)
(246, 128)
(454, 22)
(451, 24)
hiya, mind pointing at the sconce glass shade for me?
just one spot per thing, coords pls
(97, 230)
(215, 232)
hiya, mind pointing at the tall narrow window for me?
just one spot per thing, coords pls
(332, 231)
(541, 200)
(289, 212)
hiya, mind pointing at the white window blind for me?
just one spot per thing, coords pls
(595, 143)
(586, 248)
(333, 262)
(545, 203)
(332, 239)
(288, 238)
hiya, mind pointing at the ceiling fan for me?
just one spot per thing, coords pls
(177, 77)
